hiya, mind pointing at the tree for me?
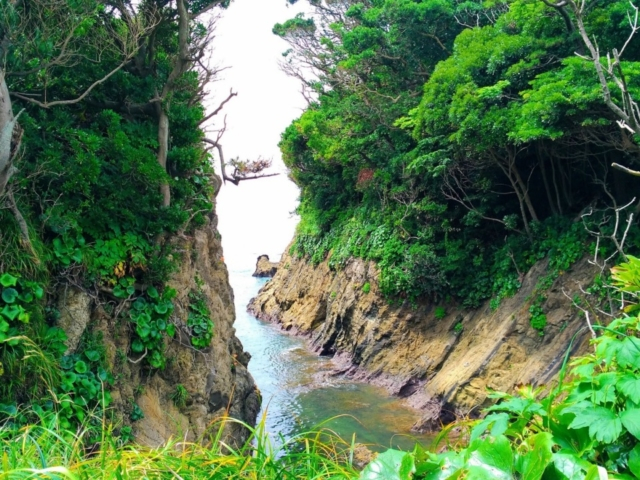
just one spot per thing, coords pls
(38, 39)
(628, 112)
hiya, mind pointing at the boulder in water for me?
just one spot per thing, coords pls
(265, 268)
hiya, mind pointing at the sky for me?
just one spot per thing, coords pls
(255, 217)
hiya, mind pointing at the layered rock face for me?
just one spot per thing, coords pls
(441, 357)
(215, 378)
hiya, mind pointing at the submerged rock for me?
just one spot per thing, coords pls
(440, 357)
(265, 268)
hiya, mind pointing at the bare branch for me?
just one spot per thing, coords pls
(219, 108)
(249, 170)
(617, 166)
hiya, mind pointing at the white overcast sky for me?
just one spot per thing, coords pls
(255, 217)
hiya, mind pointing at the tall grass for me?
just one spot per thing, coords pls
(45, 451)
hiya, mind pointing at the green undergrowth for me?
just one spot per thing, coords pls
(45, 450)
(438, 266)
(586, 427)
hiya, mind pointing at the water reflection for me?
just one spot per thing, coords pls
(298, 391)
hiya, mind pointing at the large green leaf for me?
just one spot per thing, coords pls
(536, 460)
(9, 295)
(8, 280)
(629, 353)
(570, 465)
(604, 425)
(629, 385)
(389, 465)
(596, 473)
(11, 311)
(449, 466)
(631, 420)
(634, 461)
(81, 367)
(492, 455)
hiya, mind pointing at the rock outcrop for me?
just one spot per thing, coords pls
(442, 358)
(265, 268)
(215, 378)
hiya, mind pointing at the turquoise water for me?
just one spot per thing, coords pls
(298, 392)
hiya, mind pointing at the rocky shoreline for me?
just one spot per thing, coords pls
(441, 358)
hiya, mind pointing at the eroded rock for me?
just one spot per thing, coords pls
(443, 362)
(265, 268)
(215, 378)
(74, 306)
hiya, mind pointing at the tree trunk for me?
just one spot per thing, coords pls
(7, 125)
(523, 189)
(555, 188)
(547, 188)
(163, 148)
(508, 171)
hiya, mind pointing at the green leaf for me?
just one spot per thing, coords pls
(69, 377)
(596, 473)
(8, 280)
(23, 316)
(143, 330)
(604, 425)
(140, 303)
(497, 422)
(634, 461)
(153, 293)
(631, 420)
(92, 355)
(390, 465)
(492, 455)
(629, 353)
(535, 462)
(161, 308)
(38, 291)
(171, 330)
(26, 297)
(11, 311)
(629, 385)
(570, 465)
(137, 346)
(81, 367)
(9, 295)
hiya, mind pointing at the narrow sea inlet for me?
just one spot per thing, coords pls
(299, 393)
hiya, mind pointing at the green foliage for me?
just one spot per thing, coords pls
(457, 186)
(440, 312)
(585, 427)
(199, 320)
(84, 383)
(45, 450)
(136, 413)
(457, 328)
(18, 299)
(151, 314)
(538, 319)
(180, 396)
(366, 288)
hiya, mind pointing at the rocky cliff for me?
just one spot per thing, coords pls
(215, 378)
(440, 357)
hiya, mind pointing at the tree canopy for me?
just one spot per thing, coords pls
(455, 142)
